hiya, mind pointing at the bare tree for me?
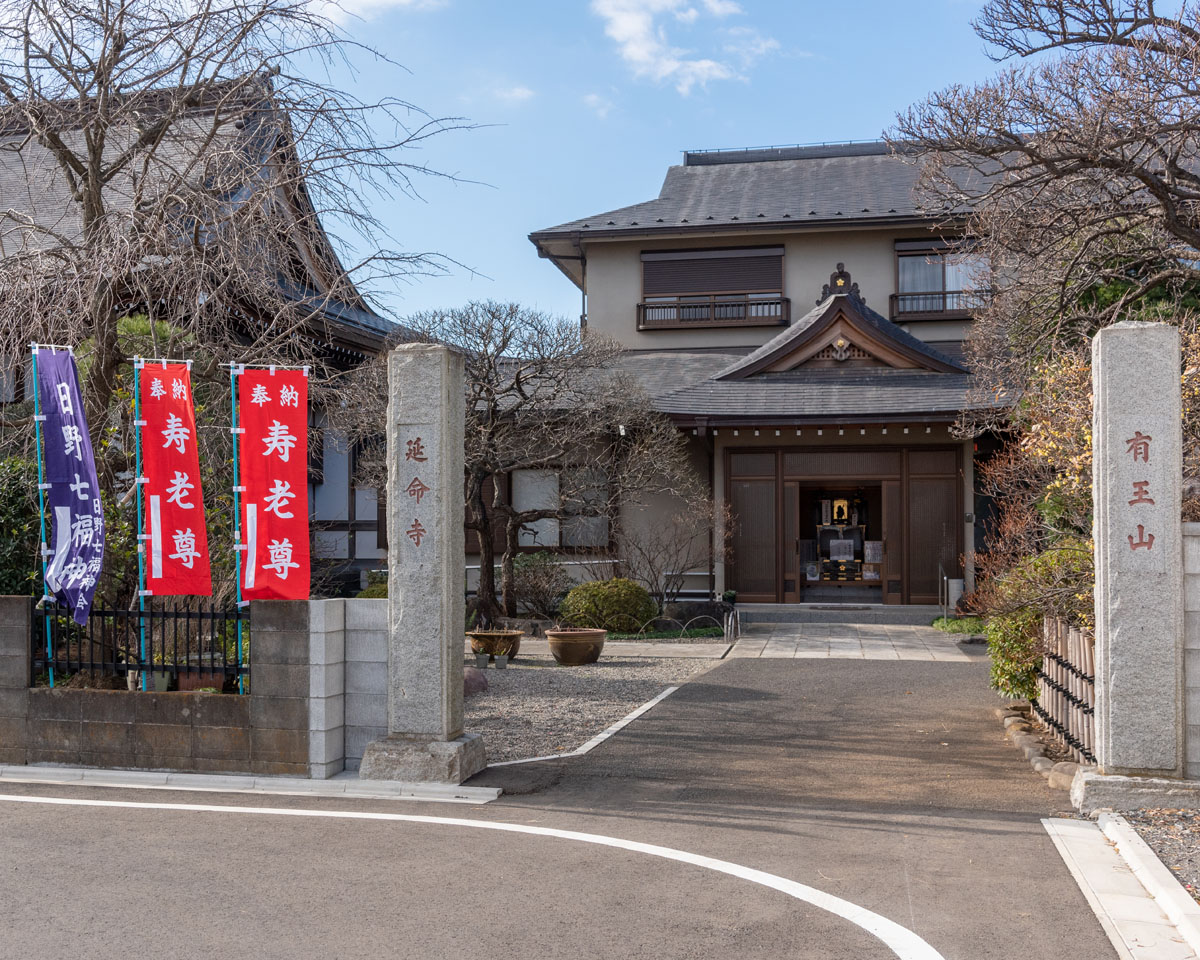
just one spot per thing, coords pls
(178, 174)
(181, 161)
(1076, 172)
(542, 396)
(660, 554)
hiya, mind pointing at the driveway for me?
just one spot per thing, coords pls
(847, 809)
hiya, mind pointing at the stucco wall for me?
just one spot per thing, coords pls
(614, 283)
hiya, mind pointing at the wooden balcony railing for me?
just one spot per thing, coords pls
(716, 311)
(937, 304)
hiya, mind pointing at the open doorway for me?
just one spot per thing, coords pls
(832, 542)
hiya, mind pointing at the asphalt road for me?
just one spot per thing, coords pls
(885, 784)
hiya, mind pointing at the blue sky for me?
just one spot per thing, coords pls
(587, 102)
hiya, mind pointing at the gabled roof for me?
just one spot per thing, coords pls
(878, 374)
(846, 317)
(777, 187)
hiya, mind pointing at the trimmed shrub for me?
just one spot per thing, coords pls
(1015, 645)
(619, 605)
(1056, 582)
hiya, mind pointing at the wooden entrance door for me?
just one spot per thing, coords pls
(790, 543)
(892, 575)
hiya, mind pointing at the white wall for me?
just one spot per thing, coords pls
(614, 283)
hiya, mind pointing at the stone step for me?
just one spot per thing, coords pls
(911, 615)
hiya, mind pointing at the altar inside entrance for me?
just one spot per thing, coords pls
(838, 544)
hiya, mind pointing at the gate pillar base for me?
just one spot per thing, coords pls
(1092, 791)
(420, 760)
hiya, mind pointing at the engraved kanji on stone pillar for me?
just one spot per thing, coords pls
(1137, 477)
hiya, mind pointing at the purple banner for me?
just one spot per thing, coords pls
(72, 490)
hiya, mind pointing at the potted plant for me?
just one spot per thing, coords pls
(730, 597)
(495, 643)
(575, 646)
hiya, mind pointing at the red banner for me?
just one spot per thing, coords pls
(273, 463)
(176, 540)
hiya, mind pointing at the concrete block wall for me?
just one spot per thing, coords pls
(1191, 649)
(366, 676)
(326, 687)
(291, 722)
(280, 675)
(317, 697)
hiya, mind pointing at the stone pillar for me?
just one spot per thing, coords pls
(1137, 476)
(426, 584)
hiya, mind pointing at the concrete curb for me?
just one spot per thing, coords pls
(598, 738)
(345, 786)
(1153, 874)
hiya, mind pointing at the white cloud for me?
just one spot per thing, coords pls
(512, 94)
(642, 40)
(599, 105)
(749, 46)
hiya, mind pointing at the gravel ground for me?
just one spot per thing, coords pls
(1175, 836)
(536, 708)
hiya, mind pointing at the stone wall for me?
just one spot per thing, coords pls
(291, 723)
(15, 613)
(1191, 648)
(366, 676)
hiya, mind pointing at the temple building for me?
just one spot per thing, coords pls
(797, 314)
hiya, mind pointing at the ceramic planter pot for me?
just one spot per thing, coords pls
(575, 646)
(159, 680)
(496, 642)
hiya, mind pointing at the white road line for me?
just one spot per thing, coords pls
(598, 738)
(900, 940)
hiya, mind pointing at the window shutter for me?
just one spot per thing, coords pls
(712, 271)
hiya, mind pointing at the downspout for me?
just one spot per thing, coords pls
(582, 283)
(710, 446)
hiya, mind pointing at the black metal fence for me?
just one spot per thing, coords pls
(182, 647)
(1066, 697)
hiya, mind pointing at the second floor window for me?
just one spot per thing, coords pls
(712, 288)
(938, 279)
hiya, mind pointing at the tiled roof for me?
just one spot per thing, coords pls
(661, 372)
(32, 183)
(825, 395)
(792, 187)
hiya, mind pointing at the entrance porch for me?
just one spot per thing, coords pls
(862, 524)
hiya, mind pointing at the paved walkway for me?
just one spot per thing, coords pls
(888, 784)
(865, 641)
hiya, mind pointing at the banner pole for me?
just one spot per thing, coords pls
(237, 522)
(138, 363)
(37, 425)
